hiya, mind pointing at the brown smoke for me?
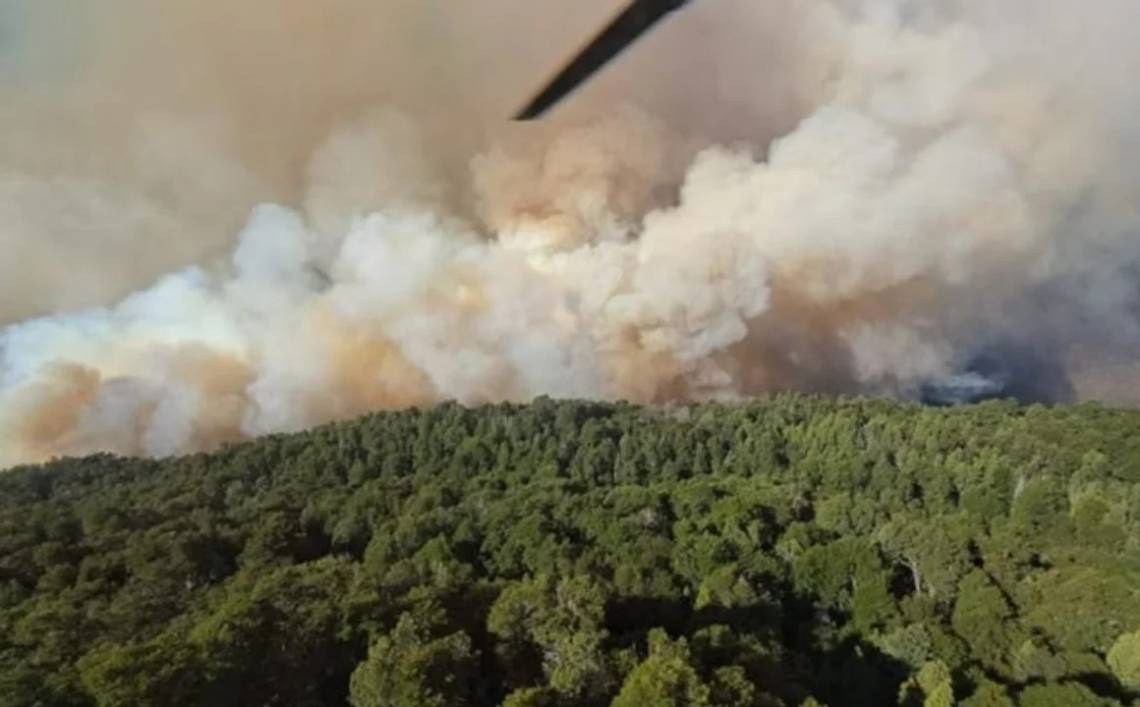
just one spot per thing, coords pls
(874, 196)
(151, 129)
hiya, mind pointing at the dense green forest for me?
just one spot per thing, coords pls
(792, 551)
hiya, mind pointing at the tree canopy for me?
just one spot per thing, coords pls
(790, 551)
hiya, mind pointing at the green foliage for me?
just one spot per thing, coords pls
(155, 673)
(790, 551)
(989, 694)
(562, 621)
(531, 697)
(1124, 659)
(666, 678)
(930, 687)
(981, 616)
(1062, 695)
(410, 668)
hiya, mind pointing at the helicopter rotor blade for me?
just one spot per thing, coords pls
(629, 26)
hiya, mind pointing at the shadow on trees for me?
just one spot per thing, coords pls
(848, 672)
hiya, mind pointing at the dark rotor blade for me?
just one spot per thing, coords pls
(625, 29)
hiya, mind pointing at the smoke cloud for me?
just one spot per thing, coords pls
(919, 199)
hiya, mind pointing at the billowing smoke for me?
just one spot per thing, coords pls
(922, 199)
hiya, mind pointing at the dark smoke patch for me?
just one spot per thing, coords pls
(1031, 372)
(961, 389)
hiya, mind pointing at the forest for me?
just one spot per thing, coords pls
(797, 551)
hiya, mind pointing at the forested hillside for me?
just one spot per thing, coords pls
(794, 551)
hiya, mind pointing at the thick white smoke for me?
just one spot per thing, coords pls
(878, 196)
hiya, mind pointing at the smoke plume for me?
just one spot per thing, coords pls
(920, 199)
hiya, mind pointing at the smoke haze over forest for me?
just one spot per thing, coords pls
(221, 220)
